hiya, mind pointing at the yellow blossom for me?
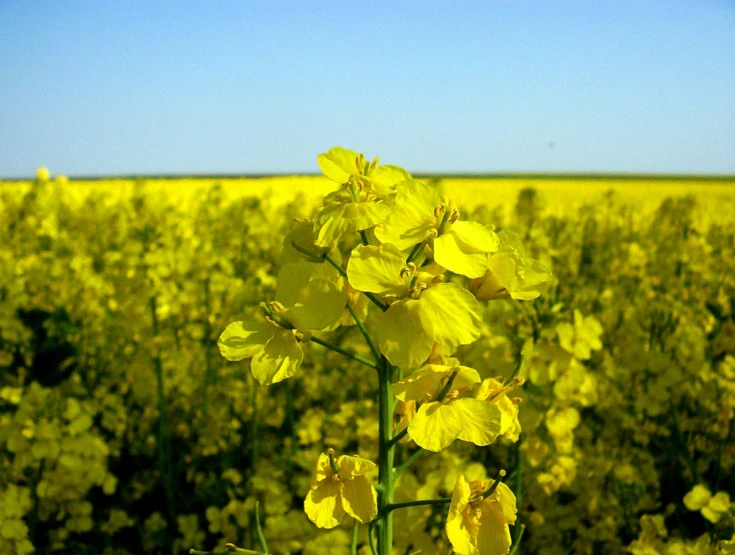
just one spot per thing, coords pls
(458, 416)
(510, 273)
(347, 491)
(711, 506)
(477, 525)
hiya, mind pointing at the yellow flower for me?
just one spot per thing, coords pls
(494, 391)
(458, 416)
(462, 247)
(332, 494)
(363, 200)
(510, 272)
(422, 214)
(582, 338)
(419, 211)
(306, 299)
(477, 525)
(425, 313)
(712, 507)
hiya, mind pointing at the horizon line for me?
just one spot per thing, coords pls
(655, 176)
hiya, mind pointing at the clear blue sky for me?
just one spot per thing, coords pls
(113, 87)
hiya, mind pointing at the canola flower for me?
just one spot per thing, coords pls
(477, 523)
(411, 241)
(338, 487)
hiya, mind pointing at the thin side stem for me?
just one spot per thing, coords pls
(364, 332)
(353, 542)
(408, 462)
(342, 272)
(403, 505)
(364, 238)
(517, 542)
(371, 541)
(398, 437)
(518, 530)
(344, 352)
(259, 531)
(414, 253)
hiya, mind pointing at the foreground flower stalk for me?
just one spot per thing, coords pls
(412, 284)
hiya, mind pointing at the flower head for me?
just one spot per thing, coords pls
(339, 486)
(455, 415)
(306, 299)
(362, 201)
(478, 525)
(424, 311)
(510, 273)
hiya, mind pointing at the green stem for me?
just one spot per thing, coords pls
(447, 386)
(364, 238)
(371, 541)
(344, 352)
(385, 457)
(517, 542)
(398, 437)
(496, 483)
(353, 542)
(164, 451)
(408, 462)
(518, 530)
(414, 253)
(258, 530)
(440, 501)
(342, 272)
(254, 427)
(364, 332)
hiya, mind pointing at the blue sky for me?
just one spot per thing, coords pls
(112, 87)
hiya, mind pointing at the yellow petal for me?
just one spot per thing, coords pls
(405, 334)
(280, 359)
(455, 315)
(323, 504)
(322, 471)
(338, 164)
(384, 178)
(697, 498)
(493, 537)
(413, 219)
(377, 270)
(506, 500)
(435, 426)
(337, 220)
(423, 383)
(476, 236)
(320, 305)
(244, 339)
(460, 530)
(349, 467)
(359, 499)
(479, 420)
(458, 257)
(720, 502)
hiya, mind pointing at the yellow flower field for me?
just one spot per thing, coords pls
(368, 362)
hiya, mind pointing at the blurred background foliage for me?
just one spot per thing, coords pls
(122, 429)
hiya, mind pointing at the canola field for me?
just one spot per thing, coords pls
(599, 358)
